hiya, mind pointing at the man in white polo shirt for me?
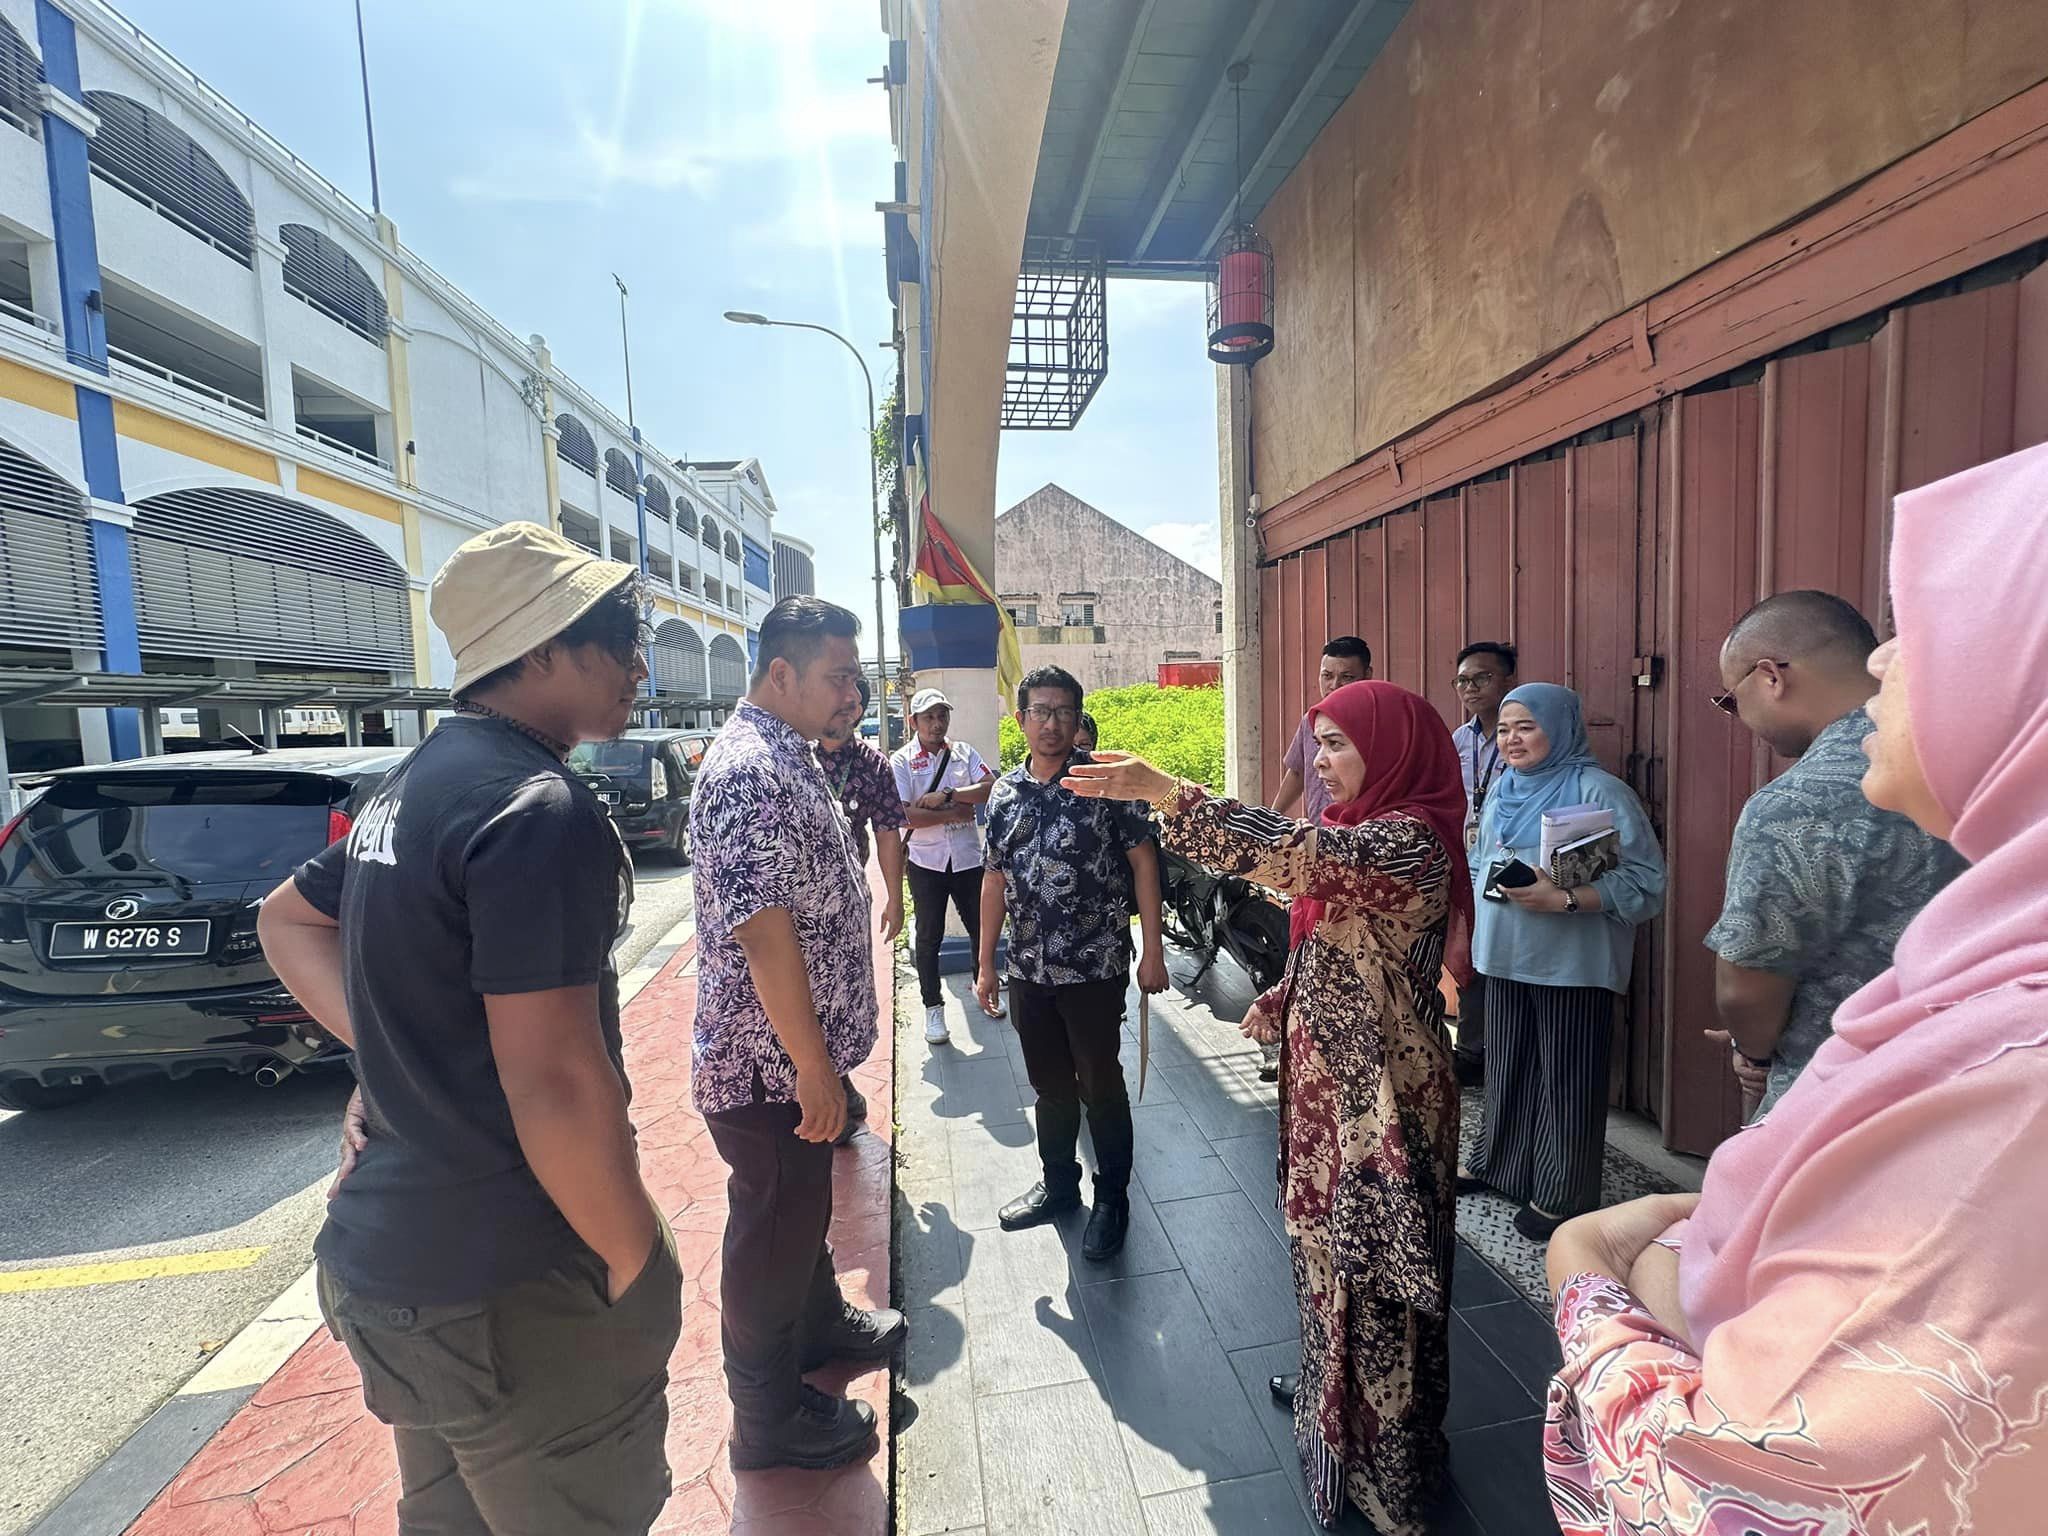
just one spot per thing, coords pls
(942, 784)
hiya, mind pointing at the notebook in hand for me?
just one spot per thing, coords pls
(1569, 823)
(1586, 859)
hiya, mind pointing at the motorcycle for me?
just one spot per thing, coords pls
(1214, 914)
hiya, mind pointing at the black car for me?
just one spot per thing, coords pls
(644, 779)
(128, 900)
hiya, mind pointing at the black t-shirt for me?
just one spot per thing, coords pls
(482, 866)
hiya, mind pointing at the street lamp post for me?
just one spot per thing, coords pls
(747, 317)
(639, 460)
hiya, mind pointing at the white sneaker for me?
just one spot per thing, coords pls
(935, 1026)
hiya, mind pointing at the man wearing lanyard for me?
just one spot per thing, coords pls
(865, 786)
(942, 784)
(1486, 672)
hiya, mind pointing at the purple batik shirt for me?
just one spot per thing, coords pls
(765, 832)
(865, 786)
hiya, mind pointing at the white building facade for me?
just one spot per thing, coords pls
(241, 426)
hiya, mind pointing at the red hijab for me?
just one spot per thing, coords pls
(1411, 769)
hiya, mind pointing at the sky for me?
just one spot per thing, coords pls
(716, 154)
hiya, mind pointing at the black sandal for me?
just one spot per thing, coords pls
(1471, 1184)
(1535, 1225)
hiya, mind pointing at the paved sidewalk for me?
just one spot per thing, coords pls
(1045, 1394)
(304, 1458)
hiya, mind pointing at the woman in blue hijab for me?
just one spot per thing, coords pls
(1555, 961)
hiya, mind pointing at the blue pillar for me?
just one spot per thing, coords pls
(85, 338)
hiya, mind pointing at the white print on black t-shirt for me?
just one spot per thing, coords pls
(371, 839)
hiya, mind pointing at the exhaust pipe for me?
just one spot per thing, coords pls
(270, 1076)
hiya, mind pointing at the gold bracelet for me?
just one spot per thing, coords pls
(1175, 793)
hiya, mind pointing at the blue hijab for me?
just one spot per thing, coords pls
(1521, 797)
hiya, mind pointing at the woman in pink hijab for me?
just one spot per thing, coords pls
(1850, 1333)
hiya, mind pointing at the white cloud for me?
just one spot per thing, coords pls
(1200, 544)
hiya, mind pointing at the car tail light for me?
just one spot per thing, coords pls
(338, 824)
(7, 830)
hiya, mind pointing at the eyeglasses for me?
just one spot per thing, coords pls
(1469, 680)
(1725, 702)
(1047, 714)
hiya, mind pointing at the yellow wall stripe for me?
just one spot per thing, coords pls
(67, 1276)
(38, 389)
(133, 421)
(344, 493)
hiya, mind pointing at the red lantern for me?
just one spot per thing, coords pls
(1241, 302)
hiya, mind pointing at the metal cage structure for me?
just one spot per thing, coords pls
(1059, 335)
(1241, 298)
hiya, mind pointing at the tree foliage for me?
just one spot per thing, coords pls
(1178, 729)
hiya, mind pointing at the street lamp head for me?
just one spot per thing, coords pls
(745, 317)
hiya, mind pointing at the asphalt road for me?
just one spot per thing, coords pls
(207, 1166)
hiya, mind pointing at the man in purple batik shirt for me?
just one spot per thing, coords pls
(785, 1007)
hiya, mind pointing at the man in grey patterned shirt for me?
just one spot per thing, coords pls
(1820, 882)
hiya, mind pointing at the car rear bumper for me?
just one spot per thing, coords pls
(59, 1042)
(642, 826)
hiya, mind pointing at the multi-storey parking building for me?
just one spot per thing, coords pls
(241, 425)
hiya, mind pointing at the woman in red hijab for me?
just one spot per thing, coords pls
(1368, 1096)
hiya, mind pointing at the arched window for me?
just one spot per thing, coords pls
(226, 572)
(157, 163)
(618, 472)
(728, 668)
(576, 445)
(21, 81)
(710, 533)
(319, 271)
(657, 498)
(686, 516)
(678, 661)
(732, 546)
(48, 597)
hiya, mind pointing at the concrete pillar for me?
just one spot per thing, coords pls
(94, 742)
(5, 786)
(271, 299)
(220, 724)
(270, 718)
(604, 512)
(355, 727)
(1244, 755)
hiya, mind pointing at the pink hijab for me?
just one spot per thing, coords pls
(1873, 1253)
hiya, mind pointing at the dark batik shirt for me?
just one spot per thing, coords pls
(1066, 870)
(1821, 883)
(864, 783)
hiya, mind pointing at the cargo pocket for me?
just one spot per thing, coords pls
(648, 1317)
(422, 1367)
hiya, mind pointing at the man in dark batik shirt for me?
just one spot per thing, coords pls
(1068, 873)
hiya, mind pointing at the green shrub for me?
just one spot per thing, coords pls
(1179, 729)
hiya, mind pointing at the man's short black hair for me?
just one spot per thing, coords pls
(613, 622)
(1048, 677)
(1508, 655)
(797, 628)
(1797, 626)
(1349, 647)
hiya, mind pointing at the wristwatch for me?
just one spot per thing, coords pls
(949, 797)
(1571, 901)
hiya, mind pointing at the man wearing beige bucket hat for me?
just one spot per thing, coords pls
(491, 1258)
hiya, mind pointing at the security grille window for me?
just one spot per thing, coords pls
(661, 567)
(714, 594)
(576, 445)
(732, 547)
(618, 473)
(657, 498)
(319, 271)
(687, 579)
(710, 536)
(158, 164)
(21, 81)
(728, 668)
(1022, 613)
(249, 576)
(686, 517)
(678, 661)
(1077, 610)
(48, 598)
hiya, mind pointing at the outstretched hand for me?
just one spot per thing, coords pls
(1117, 776)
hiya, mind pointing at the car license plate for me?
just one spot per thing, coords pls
(119, 941)
(609, 797)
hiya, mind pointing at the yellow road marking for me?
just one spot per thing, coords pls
(67, 1276)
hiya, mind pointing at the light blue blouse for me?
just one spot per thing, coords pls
(1572, 949)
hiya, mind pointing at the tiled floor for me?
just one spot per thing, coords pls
(1045, 1394)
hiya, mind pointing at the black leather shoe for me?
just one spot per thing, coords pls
(1036, 1206)
(1107, 1224)
(1536, 1225)
(1471, 1070)
(1283, 1389)
(856, 1335)
(824, 1431)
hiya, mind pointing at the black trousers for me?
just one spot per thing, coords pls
(1071, 1037)
(930, 890)
(1472, 1020)
(1546, 1093)
(778, 1289)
